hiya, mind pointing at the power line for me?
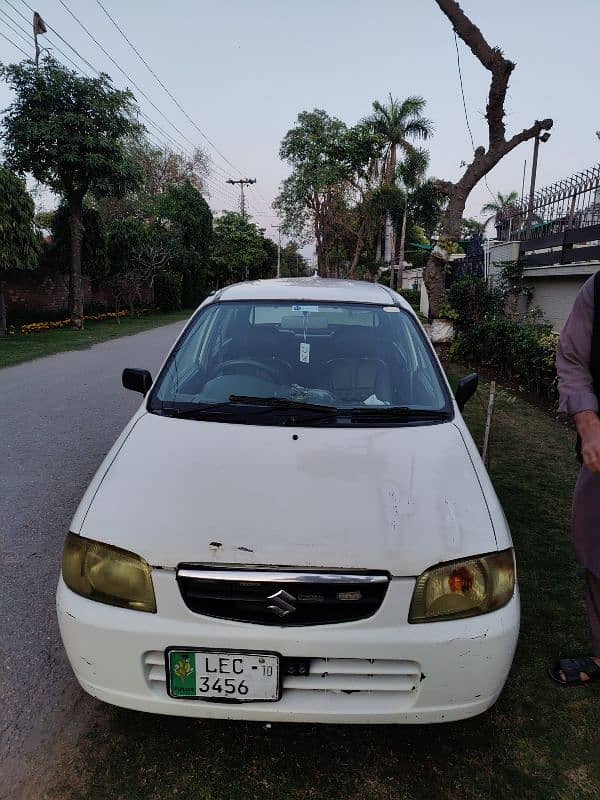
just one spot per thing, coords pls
(29, 38)
(85, 61)
(142, 92)
(15, 22)
(20, 13)
(122, 71)
(462, 91)
(56, 33)
(14, 45)
(159, 81)
(214, 186)
(15, 29)
(168, 92)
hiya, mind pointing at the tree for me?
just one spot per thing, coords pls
(94, 260)
(411, 172)
(69, 132)
(484, 160)
(137, 253)
(504, 209)
(126, 237)
(159, 169)
(184, 215)
(329, 163)
(238, 251)
(19, 240)
(469, 226)
(398, 124)
(293, 263)
(500, 204)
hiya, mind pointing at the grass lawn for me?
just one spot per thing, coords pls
(539, 742)
(18, 348)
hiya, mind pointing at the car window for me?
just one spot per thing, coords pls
(341, 355)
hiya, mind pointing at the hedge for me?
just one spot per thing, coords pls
(516, 349)
(167, 291)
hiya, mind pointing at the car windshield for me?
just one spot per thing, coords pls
(287, 357)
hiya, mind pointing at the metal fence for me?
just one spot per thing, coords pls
(561, 225)
(572, 203)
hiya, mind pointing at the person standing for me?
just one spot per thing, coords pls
(578, 368)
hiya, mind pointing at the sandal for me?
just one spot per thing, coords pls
(572, 669)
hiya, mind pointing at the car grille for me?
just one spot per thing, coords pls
(281, 598)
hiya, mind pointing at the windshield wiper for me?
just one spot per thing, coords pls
(191, 410)
(282, 403)
(232, 408)
(393, 413)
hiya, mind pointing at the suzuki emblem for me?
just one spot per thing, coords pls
(282, 603)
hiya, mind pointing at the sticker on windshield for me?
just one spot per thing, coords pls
(391, 309)
(304, 353)
(306, 309)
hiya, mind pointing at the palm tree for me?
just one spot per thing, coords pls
(503, 203)
(399, 124)
(411, 172)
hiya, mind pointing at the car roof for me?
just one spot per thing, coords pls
(313, 289)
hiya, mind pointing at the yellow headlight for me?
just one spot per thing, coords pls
(464, 588)
(107, 574)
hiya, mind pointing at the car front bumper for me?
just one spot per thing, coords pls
(376, 670)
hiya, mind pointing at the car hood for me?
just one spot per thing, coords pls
(398, 499)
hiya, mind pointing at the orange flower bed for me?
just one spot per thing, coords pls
(36, 327)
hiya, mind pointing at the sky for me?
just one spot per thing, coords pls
(244, 70)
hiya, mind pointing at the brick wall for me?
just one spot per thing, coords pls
(47, 290)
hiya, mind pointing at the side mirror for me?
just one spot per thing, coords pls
(138, 380)
(466, 389)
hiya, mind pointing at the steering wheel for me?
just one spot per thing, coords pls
(249, 365)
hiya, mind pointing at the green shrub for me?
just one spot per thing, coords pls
(517, 350)
(167, 291)
(193, 288)
(412, 296)
(472, 301)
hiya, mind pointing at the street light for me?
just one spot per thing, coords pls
(541, 137)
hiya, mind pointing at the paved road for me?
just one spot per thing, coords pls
(58, 417)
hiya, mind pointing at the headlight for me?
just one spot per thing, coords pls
(464, 588)
(107, 574)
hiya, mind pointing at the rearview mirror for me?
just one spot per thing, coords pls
(466, 389)
(138, 380)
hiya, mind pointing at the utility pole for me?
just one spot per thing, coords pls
(278, 249)
(539, 138)
(242, 182)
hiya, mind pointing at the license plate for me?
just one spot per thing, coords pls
(222, 675)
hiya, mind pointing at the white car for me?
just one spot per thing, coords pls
(295, 526)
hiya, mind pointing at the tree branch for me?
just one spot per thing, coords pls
(445, 187)
(470, 34)
(492, 59)
(527, 133)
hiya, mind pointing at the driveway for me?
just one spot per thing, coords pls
(58, 417)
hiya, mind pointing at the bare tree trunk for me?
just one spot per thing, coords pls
(75, 202)
(378, 245)
(388, 256)
(389, 223)
(2, 310)
(360, 243)
(483, 160)
(402, 247)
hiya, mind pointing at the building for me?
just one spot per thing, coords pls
(557, 237)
